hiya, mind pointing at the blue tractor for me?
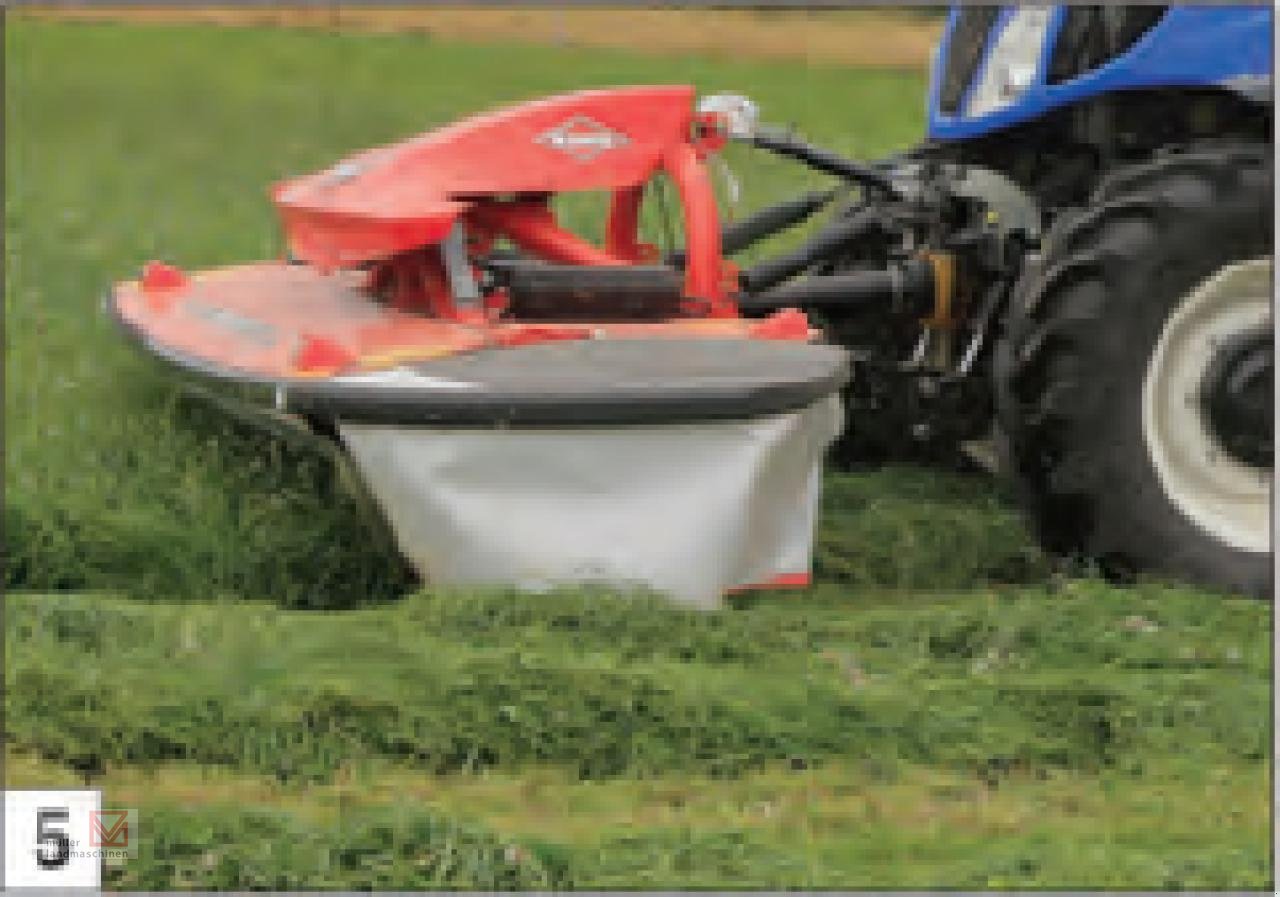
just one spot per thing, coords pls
(1073, 270)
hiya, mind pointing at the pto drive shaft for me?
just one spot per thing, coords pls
(903, 289)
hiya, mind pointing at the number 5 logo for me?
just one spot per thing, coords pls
(45, 835)
(53, 847)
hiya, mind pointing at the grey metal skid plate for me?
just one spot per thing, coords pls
(586, 382)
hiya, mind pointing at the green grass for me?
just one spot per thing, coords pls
(210, 628)
(840, 825)
(609, 686)
(875, 723)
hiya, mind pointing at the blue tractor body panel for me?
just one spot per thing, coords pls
(1190, 46)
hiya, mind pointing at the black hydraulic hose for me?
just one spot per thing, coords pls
(784, 144)
(905, 289)
(831, 240)
(764, 223)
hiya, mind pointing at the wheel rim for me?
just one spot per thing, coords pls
(1214, 337)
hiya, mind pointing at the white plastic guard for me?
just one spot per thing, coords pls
(690, 509)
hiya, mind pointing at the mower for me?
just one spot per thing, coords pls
(1069, 280)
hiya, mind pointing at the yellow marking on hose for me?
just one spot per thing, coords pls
(944, 275)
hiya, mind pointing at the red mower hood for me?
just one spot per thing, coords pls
(397, 197)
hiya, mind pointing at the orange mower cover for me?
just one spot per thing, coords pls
(528, 407)
(369, 285)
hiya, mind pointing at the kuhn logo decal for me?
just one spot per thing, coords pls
(582, 137)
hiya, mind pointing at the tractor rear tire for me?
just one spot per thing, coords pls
(1143, 311)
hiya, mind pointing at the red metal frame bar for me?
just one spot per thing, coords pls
(703, 276)
(621, 228)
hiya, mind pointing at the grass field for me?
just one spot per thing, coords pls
(902, 37)
(201, 622)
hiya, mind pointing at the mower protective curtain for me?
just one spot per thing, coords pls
(691, 510)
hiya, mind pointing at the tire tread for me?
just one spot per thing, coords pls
(1049, 397)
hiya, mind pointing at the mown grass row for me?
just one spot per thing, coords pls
(1082, 735)
(224, 847)
(1183, 824)
(609, 686)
